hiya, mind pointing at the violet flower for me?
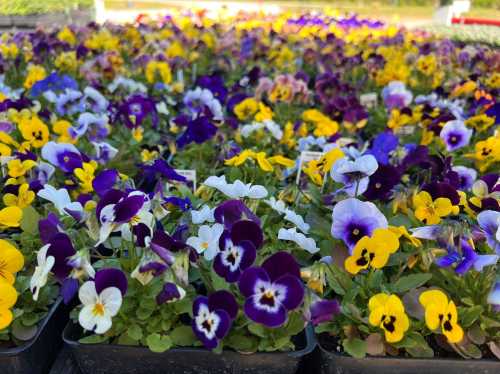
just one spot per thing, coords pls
(467, 259)
(489, 221)
(272, 290)
(455, 135)
(213, 317)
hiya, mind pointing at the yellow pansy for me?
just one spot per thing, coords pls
(8, 298)
(66, 61)
(480, 122)
(175, 49)
(10, 217)
(66, 35)
(388, 313)
(326, 162)
(147, 155)
(324, 125)
(372, 251)
(398, 119)
(263, 162)
(23, 199)
(138, 134)
(103, 40)
(402, 231)
(281, 160)
(11, 262)
(313, 170)
(288, 137)
(34, 131)
(264, 113)
(427, 64)
(18, 168)
(431, 211)
(35, 74)
(9, 51)
(464, 89)
(61, 128)
(86, 175)
(246, 109)
(493, 81)
(487, 152)
(158, 68)
(241, 158)
(441, 313)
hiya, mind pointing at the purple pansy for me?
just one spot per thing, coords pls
(105, 181)
(198, 130)
(213, 317)
(136, 109)
(467, 259)
(455, 135)
(382, 182)
(467, 177)
(489, 221)
(61, 249)
(111, 277)
(323, 310)
(65, 156)
(48, 227)
(352, 219)
(238, 249)
(170, 293)
(396, 95)
(231, 211)
(383, 144)
(272, 290)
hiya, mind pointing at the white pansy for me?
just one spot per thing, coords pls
(61, 200)
(300, 239)
(43, 268)
(205, 214)
(280, 207)
(236, 190)
(270, 125)
(98, 309)
(207, 241)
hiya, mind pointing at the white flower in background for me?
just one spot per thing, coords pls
(270, 125)
(42, 270)
(280, 207)
(236, 190)
(98, 309)
(199, 98)
(207, 241)
(61, 200)
(129, 84)
(300, 239)
(205, 214)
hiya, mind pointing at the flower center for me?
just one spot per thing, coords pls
(204, 245)
(378, 185)
(389, 323)
(207, 325)
(65, 158)
(98, 309)
(268, 298)
(355, 231)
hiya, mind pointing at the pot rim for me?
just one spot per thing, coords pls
(41, 327)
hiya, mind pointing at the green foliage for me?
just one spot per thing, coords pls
(25, 7)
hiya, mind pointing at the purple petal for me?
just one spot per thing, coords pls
(324, 310)
(61, 249)
(110, 277)
(169, 292)
(247, 230)
(128, 208)
(224, 323)
(279, 264)
(232, 211)
(199, 301)
(110, 197)
(448, 260)
(223, 300)
(48, 227)
(263, 316)
(69, 289)
(294, 291)
(249, 278)
(105, 181)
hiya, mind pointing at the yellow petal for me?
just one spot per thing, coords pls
(386, 239)
(433, 297)
(10, 199)
(455, 335)
(443, 206)
(6, 318)
(432, 319)
(351, 265)
(8, 296)
(377, 301)
(11, 216)
(264, 164)
(375, 317)
(282, 161)
(11, 258)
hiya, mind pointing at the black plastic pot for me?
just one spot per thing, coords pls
(37, 355)
(114, 359)
(335, 363)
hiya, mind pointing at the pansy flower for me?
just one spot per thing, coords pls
(388, 313)
(64, 156)
(455, 135)
(441, 313)
(237, 249)
(8, 298)
(10, 217)
(466, 258)
(231, 211)
(323, 310)
(429, 210)
(170, 293)
(236, 190)
(272, 290)
(489, 222)
(353, 219)
(372, 251)
(11, 262)
(213, 317)
(207, 241)
(101, 299)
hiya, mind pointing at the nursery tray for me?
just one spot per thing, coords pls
(112, 359)
(37, 355)
(336, 363)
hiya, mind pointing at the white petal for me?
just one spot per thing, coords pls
(87, 293)
(103, 324)
(87, 318)
(111, 298)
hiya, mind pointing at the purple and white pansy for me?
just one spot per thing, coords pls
(213, 317)
(272, 290)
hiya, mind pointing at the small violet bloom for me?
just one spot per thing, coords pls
(467, 259)
(467, 177)
(213, 317)
(455, 135)
(272, 290)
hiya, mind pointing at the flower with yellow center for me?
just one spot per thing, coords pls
(388, 313)
(34, 131)
(372, 251)
(427, 64)
(17, 168)
(23, 199)
(138, 134)
(264, 113)
(8, 298)
(147, 155)
(398, 119)
(324, 125)
(441, 313)
(66, 61)
(486, 153)
(246, 109)
(480, 122)
(10, 217)
(66, 35)
(431, 211)
(11, 262)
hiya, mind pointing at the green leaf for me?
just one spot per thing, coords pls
(408, 282)
(257, 329)
(135, 332)
(355, 347)
(183, 336)
(143, 314)
(29, 222)
(158, 343)
(242, 343)
(469, 315)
